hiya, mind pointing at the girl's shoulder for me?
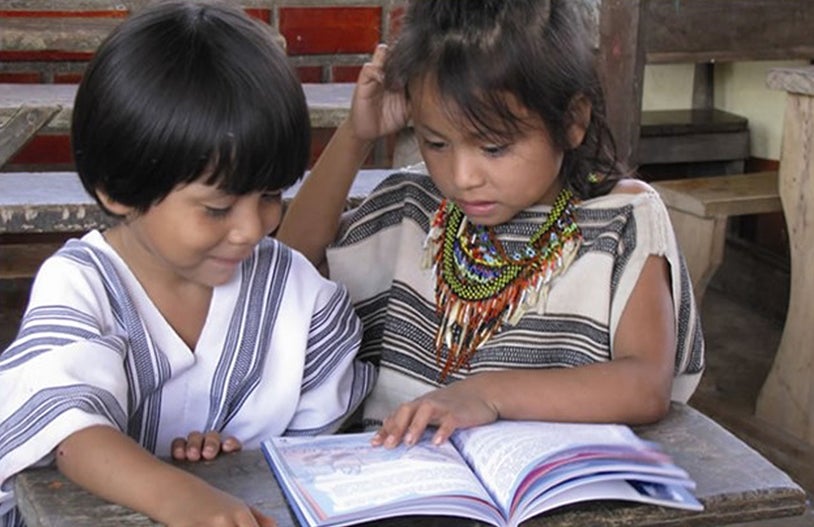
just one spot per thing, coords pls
(626, 192)
(631, 186)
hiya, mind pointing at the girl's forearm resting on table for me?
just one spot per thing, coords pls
(626, 390)
(311, 220)
(112, 466)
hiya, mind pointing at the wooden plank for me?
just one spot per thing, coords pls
(692, 148)
(792, 80)
(731, 30)
(22, 126)
(731, 195)
(23, 260)
(72, 33)
(691, 121)
(328, 104)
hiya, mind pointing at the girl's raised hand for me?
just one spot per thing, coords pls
(455, 406)
(197, 446)
(376, 111)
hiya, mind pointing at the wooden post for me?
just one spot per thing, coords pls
(621, 71)
(787, 397)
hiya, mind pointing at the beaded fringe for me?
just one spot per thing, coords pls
(468, 323)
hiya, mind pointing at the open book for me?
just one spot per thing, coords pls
(500, 474)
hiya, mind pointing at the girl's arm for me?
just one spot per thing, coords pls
(312, 218)
(633, 388)
(111, 465)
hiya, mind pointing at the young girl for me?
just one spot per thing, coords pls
(528, 277)
(184, 316)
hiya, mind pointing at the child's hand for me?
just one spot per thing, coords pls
(448, 408)
(376, 112)
(208, 506)
(197, 446)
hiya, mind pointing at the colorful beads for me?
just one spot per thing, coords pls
(479, 286)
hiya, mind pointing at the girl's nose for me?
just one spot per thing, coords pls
(465, 173)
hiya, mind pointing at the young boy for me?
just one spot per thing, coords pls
(185, 316)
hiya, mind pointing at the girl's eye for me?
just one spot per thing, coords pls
(495, 150)
(434, 145)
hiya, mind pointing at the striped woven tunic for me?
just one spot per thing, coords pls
(378, 257)
(277, 355)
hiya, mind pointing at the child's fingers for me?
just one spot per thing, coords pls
(211, 445)
(194, 446)
(262, 519)
(231, 444)
(179, 448)
(379, 55)
(395, 426)
(418, 423)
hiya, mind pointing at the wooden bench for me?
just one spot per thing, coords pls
(34, 206)
(69, 26)
(699, 209)
(29, 109)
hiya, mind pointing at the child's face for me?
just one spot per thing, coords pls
(490, 182)
(198, 234)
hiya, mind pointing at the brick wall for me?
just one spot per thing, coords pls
(51, 41)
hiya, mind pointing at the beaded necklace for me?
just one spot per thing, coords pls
(480, 286)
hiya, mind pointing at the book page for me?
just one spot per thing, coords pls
(502, 453)
(341, 475)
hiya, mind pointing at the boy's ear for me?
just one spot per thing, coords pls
(579, 110)
(111, 205)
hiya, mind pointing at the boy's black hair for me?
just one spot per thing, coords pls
(538, 51)
(185, 88)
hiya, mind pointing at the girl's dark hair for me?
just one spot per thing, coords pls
(183, 88)
(538, 51)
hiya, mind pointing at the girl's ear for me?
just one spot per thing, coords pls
(111, 205)
(579, 109)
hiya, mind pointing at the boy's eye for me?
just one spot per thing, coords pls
(272, 196)
(217, 212)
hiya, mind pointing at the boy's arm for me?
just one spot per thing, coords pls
(111, 465)
(312, 218)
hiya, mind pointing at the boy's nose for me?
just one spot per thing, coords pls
(248, 228)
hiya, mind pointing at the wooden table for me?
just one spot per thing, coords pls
(735, 484)
(787, 397)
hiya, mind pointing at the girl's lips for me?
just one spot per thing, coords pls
(475, 209)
